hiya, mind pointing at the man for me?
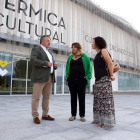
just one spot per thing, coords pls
(42, 77)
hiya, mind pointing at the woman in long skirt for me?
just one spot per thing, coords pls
(103, 105)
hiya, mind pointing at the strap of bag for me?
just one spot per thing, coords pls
(106, 67)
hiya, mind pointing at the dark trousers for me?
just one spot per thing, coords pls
(77, 85)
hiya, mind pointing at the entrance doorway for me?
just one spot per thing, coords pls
(61, 87)
(21, 76)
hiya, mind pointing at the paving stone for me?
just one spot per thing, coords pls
(16, 122)
(2, 127)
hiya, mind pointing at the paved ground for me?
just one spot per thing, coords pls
(16, 121)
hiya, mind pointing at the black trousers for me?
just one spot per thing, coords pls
(77, 86)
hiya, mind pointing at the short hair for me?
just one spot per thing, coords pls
(42, 38)
(100, 42)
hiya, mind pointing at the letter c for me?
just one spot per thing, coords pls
(86, 38)
(49, 19)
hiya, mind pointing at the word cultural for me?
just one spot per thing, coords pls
(32, 12)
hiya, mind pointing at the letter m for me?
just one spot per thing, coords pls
(32, 9)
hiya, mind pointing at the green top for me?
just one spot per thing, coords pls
(87, 67)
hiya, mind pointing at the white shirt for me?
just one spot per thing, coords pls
(49, 56)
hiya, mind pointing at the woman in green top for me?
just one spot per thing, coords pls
(78, 73)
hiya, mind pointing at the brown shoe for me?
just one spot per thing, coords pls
(36, 120)
(48, 118)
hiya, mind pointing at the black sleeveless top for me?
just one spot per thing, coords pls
(99, 67)
(76, 67)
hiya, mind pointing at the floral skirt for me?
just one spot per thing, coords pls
(103, 105)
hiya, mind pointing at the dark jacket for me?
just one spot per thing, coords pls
(40, 69)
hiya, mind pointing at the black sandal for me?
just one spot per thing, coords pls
(83, 119)
(72, 118)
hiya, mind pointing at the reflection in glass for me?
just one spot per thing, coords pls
(18, 87)
(5, 73)
(121, 81)
(135, 82)
(128, 82)
(29, 70)
(29, 87)
(29, 83)
(66, 88)
(19, 68)
(59, 79)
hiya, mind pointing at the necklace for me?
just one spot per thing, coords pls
(76, 56)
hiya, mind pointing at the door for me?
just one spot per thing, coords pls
(61, 86)
(19, 76)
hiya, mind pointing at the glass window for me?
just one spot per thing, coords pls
(135, 82)
(29, 83)
(128, 82)
(19, 76)
(29, 70)
(121, 81)
(52, 90)
(18, 87)
(19, 68)
(5, 73)
(59, 76)
(29, 87)
(66, 88)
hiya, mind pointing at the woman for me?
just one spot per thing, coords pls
(103, 106)
(78, 73)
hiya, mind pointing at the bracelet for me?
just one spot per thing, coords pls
(111, 76)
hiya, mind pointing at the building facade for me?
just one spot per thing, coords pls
(22, 23)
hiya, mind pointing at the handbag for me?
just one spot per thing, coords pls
(116, 66)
